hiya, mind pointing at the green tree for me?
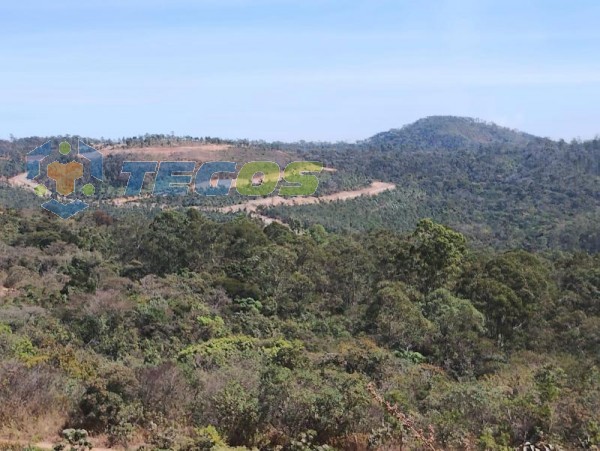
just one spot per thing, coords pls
(511, 289)
(397, 319)
(459, 329)
(435, 255)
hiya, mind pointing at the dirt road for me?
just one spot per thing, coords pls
(42, 445)
(22, 181)
(253, 205)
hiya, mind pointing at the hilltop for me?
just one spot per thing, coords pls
(449, 133)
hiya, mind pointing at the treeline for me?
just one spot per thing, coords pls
(184, 333)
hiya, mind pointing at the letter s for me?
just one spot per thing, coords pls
(305, 184)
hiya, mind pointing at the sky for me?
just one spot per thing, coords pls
(334, 70)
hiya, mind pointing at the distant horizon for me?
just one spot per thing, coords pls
(355, 141)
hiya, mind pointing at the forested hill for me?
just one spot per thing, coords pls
(500, 187)
(448, 133)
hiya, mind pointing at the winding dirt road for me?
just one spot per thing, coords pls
(253, 205)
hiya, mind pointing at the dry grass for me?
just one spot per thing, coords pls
(34, 402)
(203, 152)
(427, 440)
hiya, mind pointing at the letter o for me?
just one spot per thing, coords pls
(270, 179)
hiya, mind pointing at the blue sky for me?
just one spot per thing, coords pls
(296, 69)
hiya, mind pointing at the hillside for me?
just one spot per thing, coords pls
(501, 188)
(447, 133)
(181, 333)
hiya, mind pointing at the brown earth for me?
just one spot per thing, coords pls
(251, 206)
(203, 152)
(21, 181)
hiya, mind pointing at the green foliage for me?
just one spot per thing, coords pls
(76, 440)
(83, 274)
(458, 332)
(212, 327)
(501, 188)
(398, 319)
(436, 254)
(305, 442)
(237, 413)
(217, 351)
(509, 290)
(192, 334)
(447, 132)
(208, 438)
(247, 305)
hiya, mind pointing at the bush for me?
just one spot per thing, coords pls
(34, 399)
(76, 439)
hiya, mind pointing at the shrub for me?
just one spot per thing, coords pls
(34, 399)
(76, 439)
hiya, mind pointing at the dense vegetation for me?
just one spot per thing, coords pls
(499, 187)
(184, 333)
(448, 132)
(361, 326)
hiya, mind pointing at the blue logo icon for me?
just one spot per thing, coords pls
(65, 175)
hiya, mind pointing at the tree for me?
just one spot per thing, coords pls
(459, 327)
(397, 319)
(510, 290)
(435, 255)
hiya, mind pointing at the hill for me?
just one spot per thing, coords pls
(448, 133)
(500, 187)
